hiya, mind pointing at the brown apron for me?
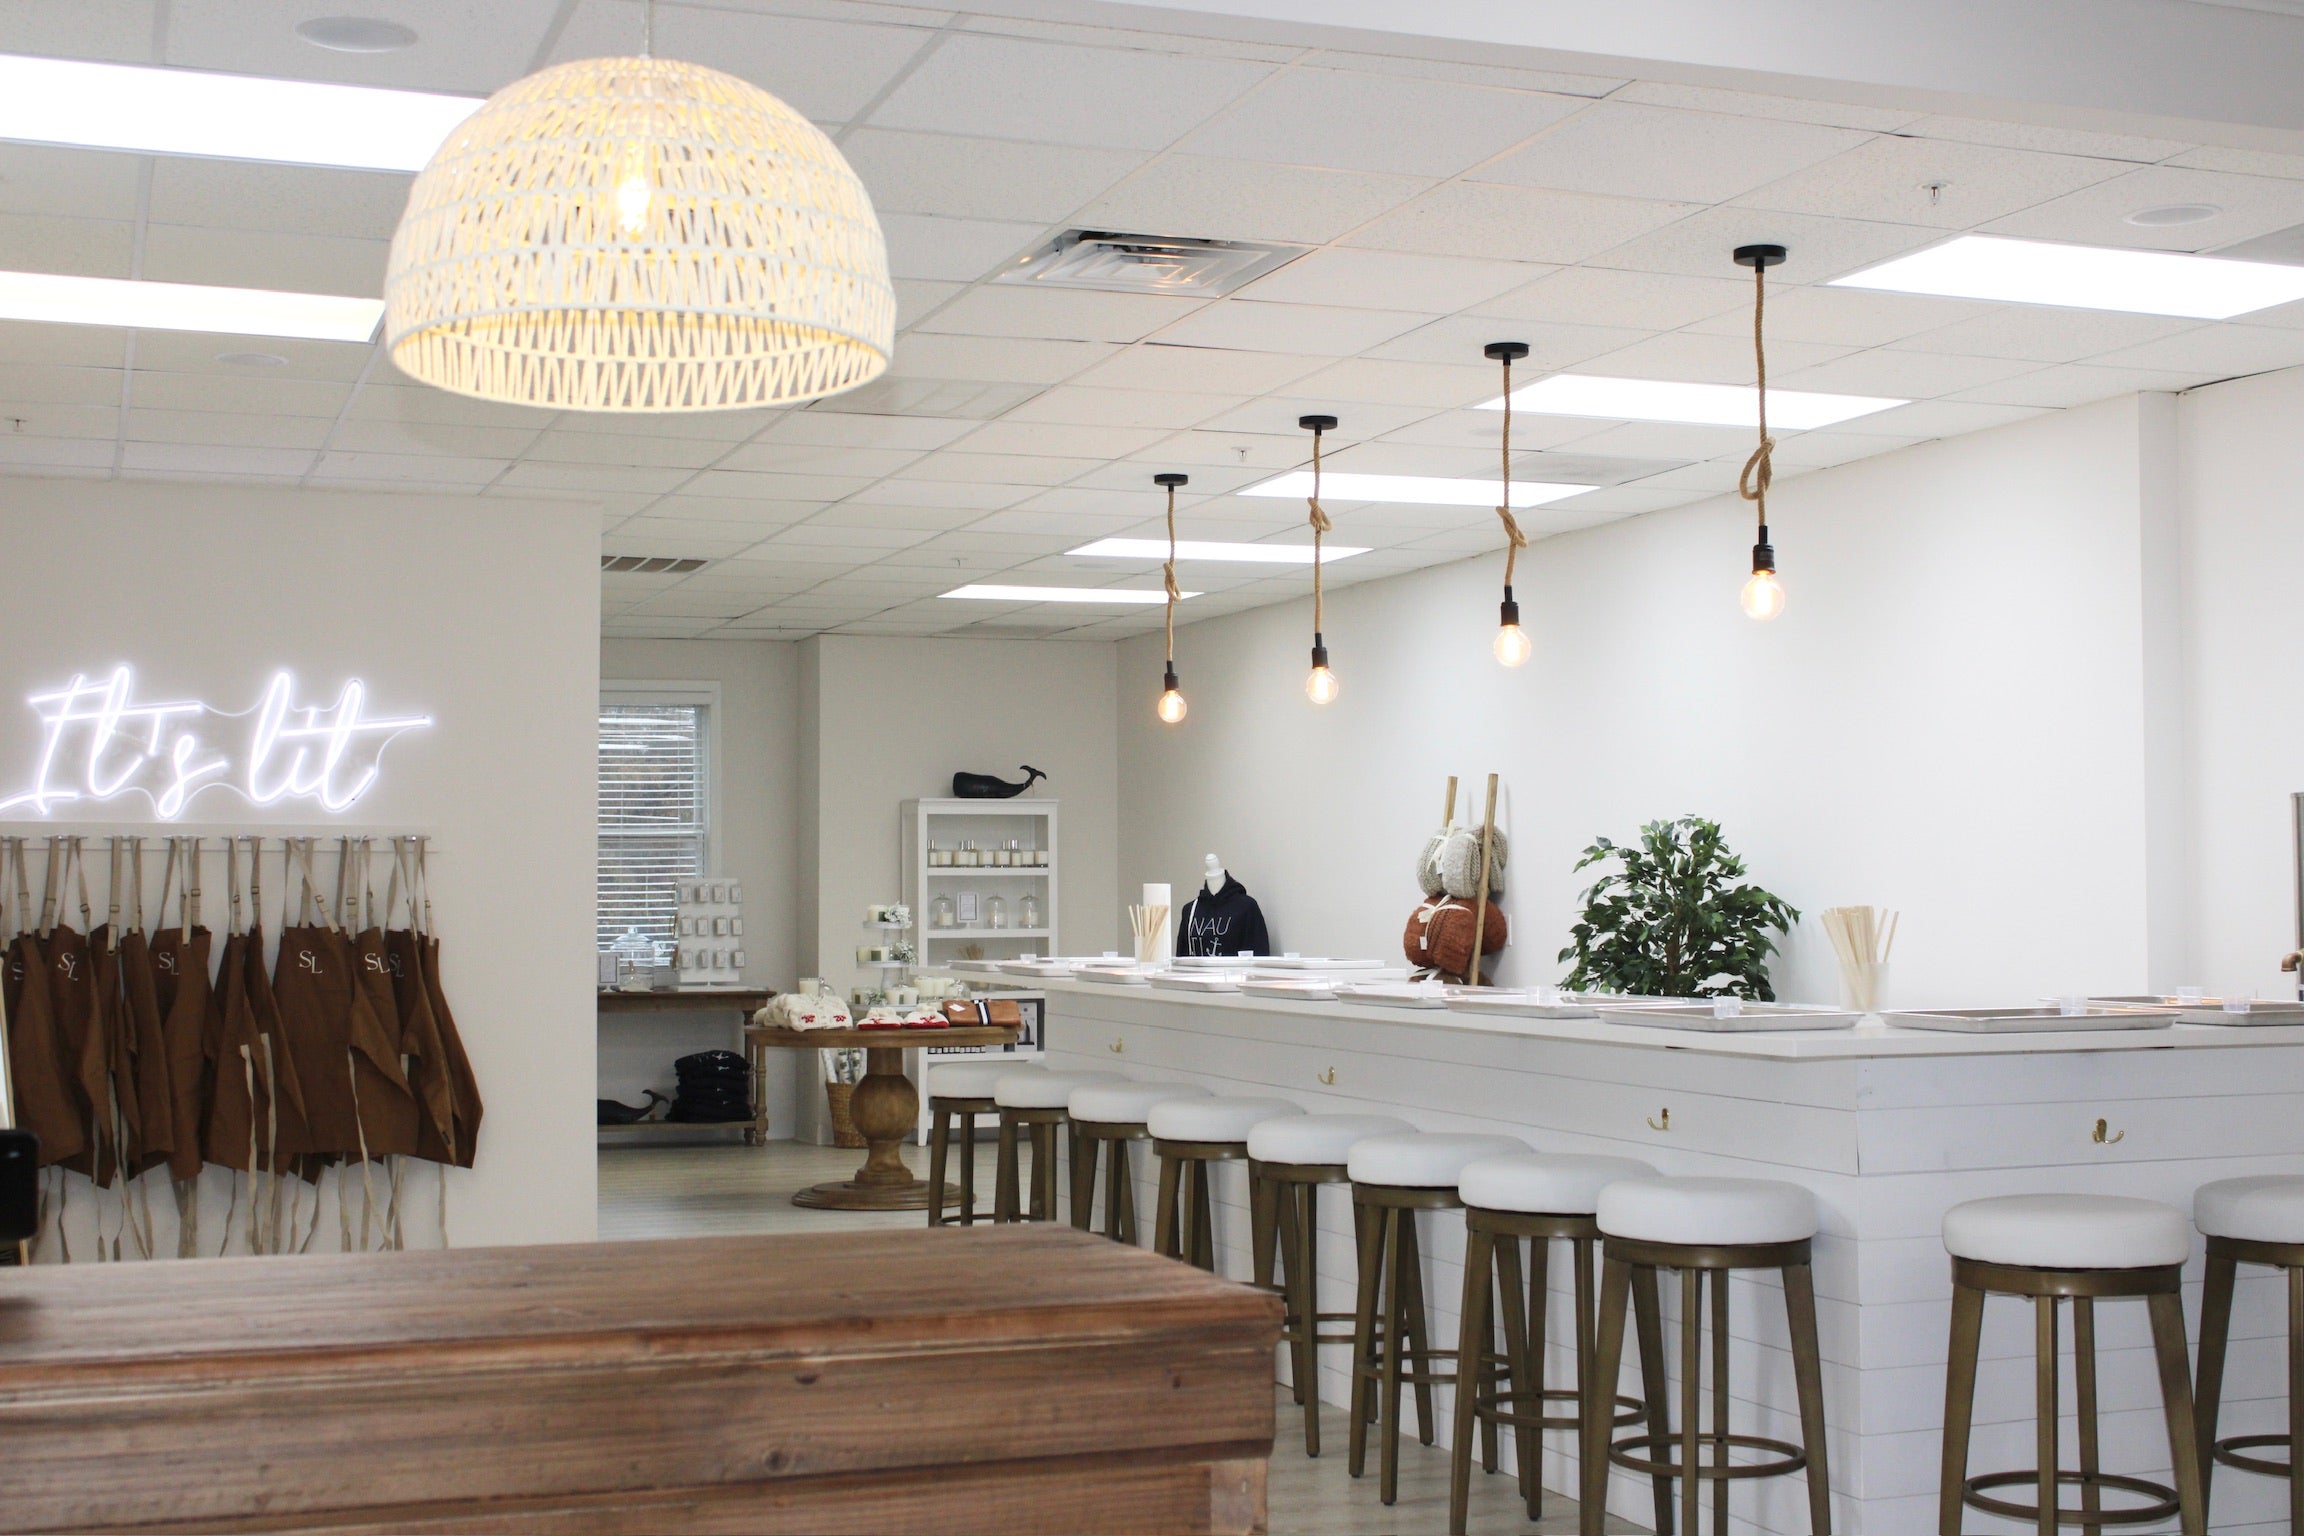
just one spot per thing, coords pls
(182, 991)
(388, 1112)
(419, 1029)
(83, 1017)
(147, 1051)
(314, 990)
(445, 1074)
(256, 1120)
(45, 1105)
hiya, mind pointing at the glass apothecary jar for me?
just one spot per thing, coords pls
(968, 857)
(939, 856)
(940, 912)
(1028, 911)
(996, 913)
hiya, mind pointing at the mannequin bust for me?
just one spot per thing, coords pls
(1221, 918)
(1216, 876)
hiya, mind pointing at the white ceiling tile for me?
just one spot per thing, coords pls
(1698, 358)
(756, 512)
(1890, 180)
(77, 183)
(1464, 72)
(848, 537)
(463, 48)
(1243, 325)
(1162, 366)
(215, 459)
(56, 453)
(1710, 478)
(944, 493)
(1945, 418)
(1355, 121)
(1893, 371)
(1210, 199)
(655, 628)
(1390, 280)
(360, 436)
(73, 346)
(783, 458)
(1816, 249)
(235, 258)
(2247, 162)
(2055, 141)
(296, 199)
(1111, 98)
(204, 352)
(1848, 317)
(999, 468)
(1017, 360)
(400, 468)
(826, 70)
(32, 242)
(1660, 440)
(835, 430)
(1485, 429)
(1075, 405)
(917, 299)
(1818, 450)
(1275, 416)
(1057, 439)
(955, 177)
(2044, 333)
(2079, 384)
(2098, 215)
(1602, 296)
(751, 485)
(225, 428)
(1435, 386)
(1382, 457)
(718, 426)
(531, 476)
(2222, 350)
(1516, 223)
(924, 520)
(1790, 109)
(1619, 499)
(1084, 525)
(998, 309)
(41, 383)
(579, 444)
(261, 396)
(1464, 338)
(953, 250)
(20, 418)
(412, 403)
(119, 30)
(1622, 149)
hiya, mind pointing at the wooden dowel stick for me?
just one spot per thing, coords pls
(1448, 813)
(1480, 897)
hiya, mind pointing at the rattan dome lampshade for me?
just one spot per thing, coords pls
(639, 234)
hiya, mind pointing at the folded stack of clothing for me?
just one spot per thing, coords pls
(713, 1086)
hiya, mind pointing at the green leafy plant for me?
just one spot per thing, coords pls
(1676, 918)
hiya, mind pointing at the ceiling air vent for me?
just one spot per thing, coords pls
(1171, 264)
(649, 565)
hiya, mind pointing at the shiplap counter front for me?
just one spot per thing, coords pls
(1888, 1127)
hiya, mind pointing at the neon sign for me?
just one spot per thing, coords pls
(98, 742)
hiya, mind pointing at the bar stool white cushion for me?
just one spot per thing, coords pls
(1318, 1138)
(971, 1079)
(1423, 1159)
(1038, 1089)
(1128, 1103)
(1706, 1211)
(1545, 1183)
(2268, 1208)
(2068, 1232)
(1217, 1119)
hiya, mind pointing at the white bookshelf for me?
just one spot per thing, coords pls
(990, 824)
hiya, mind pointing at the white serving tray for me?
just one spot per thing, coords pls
(1301, 989)
(2211, 1010)
(1520, 1005)
(2021, 1021)
(1113, 976)
(1320, 963)
(1187, 981)
(1752, 1018)
(1394, 994)
(1216, 962)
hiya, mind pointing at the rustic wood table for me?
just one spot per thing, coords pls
(1030, 1381)
(886, 1108)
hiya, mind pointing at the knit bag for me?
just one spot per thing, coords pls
(1439, 935)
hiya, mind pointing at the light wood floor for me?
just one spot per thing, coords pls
(694, 1191)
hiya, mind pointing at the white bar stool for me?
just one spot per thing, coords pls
(1035, 1102)
(2082, 1247)
(1288, 1160)
(1706, 1228)
(962, 1090)
(2250, 1221)
(1542, 1197)
(1188, 1135)
(1394, 1177)
(1115, 1114)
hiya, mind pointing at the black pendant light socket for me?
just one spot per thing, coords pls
(1171, 478)
(1509, 611)
(1168, 680)
(1763, 553)
(1317, 423)
(1319, 651)
(1505, 351)
(1760, 256)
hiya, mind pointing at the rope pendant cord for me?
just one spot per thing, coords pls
(1168, 574)
(1514, 540)
(1320, 526)
(1759, 469)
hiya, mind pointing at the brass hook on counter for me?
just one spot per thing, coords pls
(2103, 1140)
(1117, 1047)
(1663, 1124)
(1328, 1078)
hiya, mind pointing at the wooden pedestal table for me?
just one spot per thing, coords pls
(826, 1384)
(886, 1109)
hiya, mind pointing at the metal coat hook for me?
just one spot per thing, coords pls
(1661, 1124)
(2103, 1140)
(1117, 1047)
(1328, 1078)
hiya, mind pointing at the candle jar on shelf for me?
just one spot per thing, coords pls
(995, 913)
(940, 912)
(1028, 911)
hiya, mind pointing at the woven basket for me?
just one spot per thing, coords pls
(844, 1132)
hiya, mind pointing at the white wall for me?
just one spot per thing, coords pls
(483, 615)
(1948, 720)
(2243, 661)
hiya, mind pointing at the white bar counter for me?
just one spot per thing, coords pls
(1889, 1127)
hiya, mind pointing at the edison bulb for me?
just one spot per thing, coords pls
(633, 194)
(1513, 647)
(1171, 708)
(1321, 687)
(1763, 595)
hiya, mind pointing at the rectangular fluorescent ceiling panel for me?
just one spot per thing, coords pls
(1413, 490)
(2085, 277)
(1708, 405)
(224, 117)
(150, 306)
(1164, 264)
(1198, 549)
(995, 593)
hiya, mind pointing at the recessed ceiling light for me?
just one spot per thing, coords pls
(993, 592)
(2086, 277)
(1198, 549)
(186, 307)
(356, 34)
(1714, 405)
(2173, 214)
(1413, 490)
(226, 117)
(252, 359)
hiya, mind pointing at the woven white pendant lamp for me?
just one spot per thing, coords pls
(639, 234)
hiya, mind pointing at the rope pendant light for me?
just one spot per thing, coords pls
(638, 234)
(1512, 647)
(1321, 686)
(1171, 706)
(1763, 595)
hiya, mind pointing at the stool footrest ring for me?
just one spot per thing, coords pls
(2228, 1452)
(1790, 1458)
(2165, 1505)
(1491, 1406)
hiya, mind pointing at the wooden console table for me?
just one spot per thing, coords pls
(1030, 1381)
(886, 1108)
(743, 1001)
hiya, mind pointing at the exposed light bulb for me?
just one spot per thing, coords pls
(633, 194)
(1763, 595)
(1513, 647)
(1321, 687)
(1171, 707)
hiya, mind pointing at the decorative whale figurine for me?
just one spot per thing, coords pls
(982, 786)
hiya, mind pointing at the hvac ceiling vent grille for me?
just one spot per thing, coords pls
(1169, 264)
(649, 565)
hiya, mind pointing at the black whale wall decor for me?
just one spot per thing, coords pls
(982, 786)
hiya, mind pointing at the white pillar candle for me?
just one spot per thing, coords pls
(1157, 896)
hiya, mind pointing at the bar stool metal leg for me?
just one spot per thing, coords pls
(1364, 1335)
(939, 1135)
(1005, 1193)
(967, 1168)
(1084, 1153)
(1166, 1235)
(2225, 1256)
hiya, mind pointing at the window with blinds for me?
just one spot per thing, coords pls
(652, 816)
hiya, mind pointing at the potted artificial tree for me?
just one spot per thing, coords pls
(1675, 918)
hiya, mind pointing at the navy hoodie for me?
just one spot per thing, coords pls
(1226, 923)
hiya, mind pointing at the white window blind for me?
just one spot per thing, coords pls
(652, 816)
